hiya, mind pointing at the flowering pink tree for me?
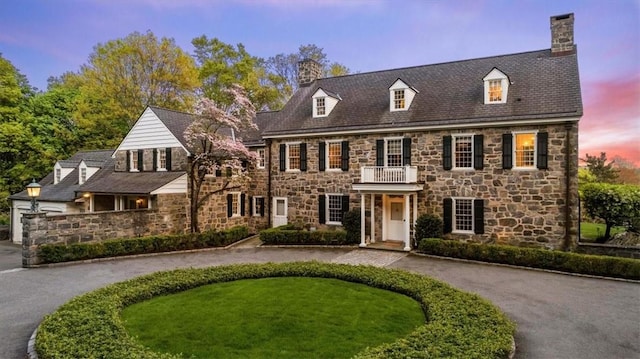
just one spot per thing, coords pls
(215, 145)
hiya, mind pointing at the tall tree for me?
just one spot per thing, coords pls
(286, 67)
(602, 171)
(222, 65)
(122, 77)
(215, 146)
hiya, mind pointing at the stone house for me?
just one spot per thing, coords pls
(488, 144)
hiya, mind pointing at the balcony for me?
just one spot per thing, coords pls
(381, 174)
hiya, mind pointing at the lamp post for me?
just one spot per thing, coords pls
(33, 191)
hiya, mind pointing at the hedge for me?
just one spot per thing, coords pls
(459, 324)
(288, 235)
(536, 258)
(55, 253)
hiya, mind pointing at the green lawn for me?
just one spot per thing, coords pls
(285, 317)
(589, 232)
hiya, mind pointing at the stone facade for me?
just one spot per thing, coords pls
(562, 34)
(308, 71)
(521, 207)
(178, 160)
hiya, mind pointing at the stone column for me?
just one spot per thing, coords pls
(34, 234)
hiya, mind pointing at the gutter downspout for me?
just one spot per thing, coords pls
(567, 210)
(268, 143)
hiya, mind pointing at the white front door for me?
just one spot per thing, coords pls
(279, 211)
(394, 217)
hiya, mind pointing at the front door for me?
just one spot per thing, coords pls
(394, 216)
(279, 211)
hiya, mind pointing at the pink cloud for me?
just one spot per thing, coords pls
(611, 121)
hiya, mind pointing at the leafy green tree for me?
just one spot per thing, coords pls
(615, 204)
(598, 167)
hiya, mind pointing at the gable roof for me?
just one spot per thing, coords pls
(254, 138)
(450, 94)
(175, 121)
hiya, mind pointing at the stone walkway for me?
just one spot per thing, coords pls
(370, 257)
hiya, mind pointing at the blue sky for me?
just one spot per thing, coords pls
(45, 38)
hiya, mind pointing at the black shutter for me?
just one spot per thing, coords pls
(261, 203)
(406, 152)
(251, 205)
(543, 150)
(140, 160)
(303, 157)
(218, 173)
(229, 172)
(229, 205)
(321, 156)
(447, 206)
(447, 163)
(168, 157)
(322, 214)
(478, 216)
(128, 161)
(155, 159)
(379, 152)
(283, 154)
(507, 151)
(242, 200)
(478, 152)
(345, 205)
(345, 156)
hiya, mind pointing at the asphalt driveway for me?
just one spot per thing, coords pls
(558, 316)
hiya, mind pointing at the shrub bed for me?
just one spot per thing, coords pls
(536, 258)
(290, 235)
(459, 324)
(56, 253)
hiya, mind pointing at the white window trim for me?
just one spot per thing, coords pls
(133, 154)
(326, 210)
(236, 211)
(287, 162)
(453, 216)
(535, 151)
(254, 203)
(57, 177)
(158, 167)
(326, 156)
(262, 156)
(386, 149)
(404, 100)
(315, 107)
(453, 151)
(80, 179)
(496, 74)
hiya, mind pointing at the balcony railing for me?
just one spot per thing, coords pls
(381, 174)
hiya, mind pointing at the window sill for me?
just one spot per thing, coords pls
(462, 232)
(293, 171)
(334, 223)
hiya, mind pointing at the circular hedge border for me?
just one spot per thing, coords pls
(459, 324)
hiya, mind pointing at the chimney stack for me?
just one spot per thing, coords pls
(562, 35)
(309, 70)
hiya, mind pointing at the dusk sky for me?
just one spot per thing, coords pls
(45, 38)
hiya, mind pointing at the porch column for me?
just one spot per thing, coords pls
(407, 238)
(415, 215)
(373, 218)
(362, 220)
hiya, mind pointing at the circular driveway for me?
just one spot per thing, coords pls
(558, 316)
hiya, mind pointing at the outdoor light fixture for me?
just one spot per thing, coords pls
(33, 191)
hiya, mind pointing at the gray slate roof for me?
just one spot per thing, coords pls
(176, 121)
(262, 120)
(542, 86)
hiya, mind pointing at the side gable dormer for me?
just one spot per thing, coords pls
(496, 87)
(401, 95)
(86, 169)
(323, 102)
(61, 170)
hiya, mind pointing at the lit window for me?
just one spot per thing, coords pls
(334, 209)
(394, 152)
(293, 156)
(495, 91)
(320, 107)
(261, 158)
(525, 150)
(463, 215)
(83, 175)
(162, 159)
(334, 155)
(463, 151)
(398, 99)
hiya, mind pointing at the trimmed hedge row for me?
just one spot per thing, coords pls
(459, 324)
(288, 235)
(536, 258)
(56, 253)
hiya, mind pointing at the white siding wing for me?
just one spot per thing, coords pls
(148, 132)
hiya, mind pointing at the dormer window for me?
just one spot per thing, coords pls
(323, 102)
(83, 175)
(400, 96)
(58, 175)
(496, 86)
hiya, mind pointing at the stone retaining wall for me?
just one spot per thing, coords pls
(608, 250)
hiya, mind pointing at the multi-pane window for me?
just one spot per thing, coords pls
(398, 99)
(463, 214)
(394, 152)
(261, 158)
(334, 155)
(162, 158)
(495, 90)
(463, 151)
(525, 150)
(133, 155)
(293, 156)
(83, 175)
(334, 209)
(235, 204)
(58, 175)
(321, 109)
(258, 206)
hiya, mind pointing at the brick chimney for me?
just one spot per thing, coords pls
(308, 71)
(562, 35)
